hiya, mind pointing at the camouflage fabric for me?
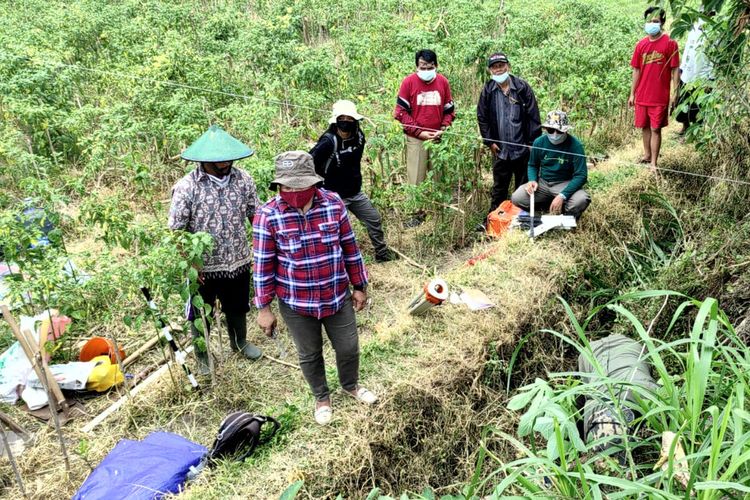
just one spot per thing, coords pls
(557, 120)
(621, 359)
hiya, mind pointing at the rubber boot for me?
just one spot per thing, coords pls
(200, 354)
(237, 329)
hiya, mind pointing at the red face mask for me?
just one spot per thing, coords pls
(298, 199)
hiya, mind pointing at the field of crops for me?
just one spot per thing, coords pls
(97, 101)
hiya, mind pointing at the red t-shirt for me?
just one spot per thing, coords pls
(655, 60)
(421, 105)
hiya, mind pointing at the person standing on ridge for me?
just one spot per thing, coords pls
(425, 108)
(338, 160)
(509, 122)
(656, 69)
(217, 198)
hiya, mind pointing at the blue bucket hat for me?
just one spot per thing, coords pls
(216, 145)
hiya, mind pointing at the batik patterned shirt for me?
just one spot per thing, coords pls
(200, 205)
(306, 260)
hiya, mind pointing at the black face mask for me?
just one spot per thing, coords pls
(346, 126)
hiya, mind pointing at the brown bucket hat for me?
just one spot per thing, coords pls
(295, 169)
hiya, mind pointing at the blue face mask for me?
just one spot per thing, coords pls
(501, 78)
(653, 29)
(557, 138)
(427, 75)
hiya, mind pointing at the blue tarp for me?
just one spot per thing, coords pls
(145, 469)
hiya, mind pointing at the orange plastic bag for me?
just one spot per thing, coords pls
(498, 222)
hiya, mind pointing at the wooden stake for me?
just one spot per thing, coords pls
(281, 362)
(211, 368)
(410, 261)
(133, 392)
(29, 346)
(12, 461)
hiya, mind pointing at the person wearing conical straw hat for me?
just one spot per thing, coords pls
(305, 253)
(338, 159)
(217, 198)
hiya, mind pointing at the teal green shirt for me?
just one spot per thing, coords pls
(551, 163)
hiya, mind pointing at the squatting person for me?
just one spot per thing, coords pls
(557, 171)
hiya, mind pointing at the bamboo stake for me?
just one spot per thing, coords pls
(285, 363)
(13, 464)
(211, 367)
(410, 260)
(133, 392)
(53, 408)
(145, 347)
(29, 348)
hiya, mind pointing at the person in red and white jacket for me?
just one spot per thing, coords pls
(425, 108)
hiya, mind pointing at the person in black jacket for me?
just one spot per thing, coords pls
(509, 122)
(338, 158)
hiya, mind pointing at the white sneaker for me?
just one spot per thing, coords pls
(323, 415)
(363, 395)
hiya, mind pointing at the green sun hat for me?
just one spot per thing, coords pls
(216, 145)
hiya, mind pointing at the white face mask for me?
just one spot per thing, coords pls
(427, 75)
(501, 78)
(221, 182)
(557, 138)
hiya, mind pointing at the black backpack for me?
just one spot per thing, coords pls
(238, 436)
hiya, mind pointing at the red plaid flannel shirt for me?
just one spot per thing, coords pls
(307, 261)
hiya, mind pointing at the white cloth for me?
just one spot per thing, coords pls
(695, 65)
(70, 376)
(14, 370)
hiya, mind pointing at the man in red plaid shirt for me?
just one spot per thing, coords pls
(305, 253)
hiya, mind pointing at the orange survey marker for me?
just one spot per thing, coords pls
(498, 222)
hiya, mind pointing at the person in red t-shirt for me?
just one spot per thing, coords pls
(424, 107)
(656, 67)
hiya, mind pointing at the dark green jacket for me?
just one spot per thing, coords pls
(551, 163)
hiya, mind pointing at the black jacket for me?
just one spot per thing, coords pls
(339, 162)
(488, 126)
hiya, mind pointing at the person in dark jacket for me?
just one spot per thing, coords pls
(509, 122)
(338, 158)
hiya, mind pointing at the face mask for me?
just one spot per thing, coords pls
(557, 138)
(653, 29)
(346, 126)
(298, 199)
(219, 181)
(501, 78)
(427, 75)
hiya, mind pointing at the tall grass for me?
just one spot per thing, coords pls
(703, 379)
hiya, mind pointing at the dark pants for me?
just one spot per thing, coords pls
(342, 332)
(546, 192)
(502, 173)
(234, 295)
(361, 206)
(690, 115)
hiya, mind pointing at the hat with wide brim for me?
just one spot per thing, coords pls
(216, 145)
(295, 169)
(344, 107)
(557, 120)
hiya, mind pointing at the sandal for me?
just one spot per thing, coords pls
(644, 160)
(323, 414)
(363, 396)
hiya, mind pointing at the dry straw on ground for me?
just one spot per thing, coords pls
(428, 372)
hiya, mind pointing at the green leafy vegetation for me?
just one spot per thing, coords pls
(98, 99)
